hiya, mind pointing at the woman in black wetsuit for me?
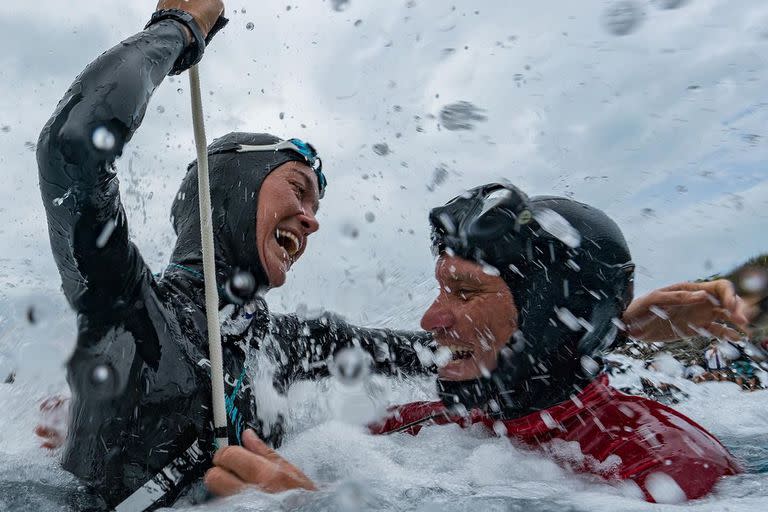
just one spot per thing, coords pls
(140, 423)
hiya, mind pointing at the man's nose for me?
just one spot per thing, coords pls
(437, 317)
(308, 222)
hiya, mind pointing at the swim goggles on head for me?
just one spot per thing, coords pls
(305, 149)
(498, 224)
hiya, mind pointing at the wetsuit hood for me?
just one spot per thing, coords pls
(235, 181)
(570, 273)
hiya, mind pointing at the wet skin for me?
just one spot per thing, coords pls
(474, 316)
(288, 203)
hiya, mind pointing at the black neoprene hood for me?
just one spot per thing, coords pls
(571, 276)
(235, 181)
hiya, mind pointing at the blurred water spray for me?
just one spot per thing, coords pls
(461, 115)
(623, 17)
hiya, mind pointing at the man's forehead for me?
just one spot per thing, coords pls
(451, 268)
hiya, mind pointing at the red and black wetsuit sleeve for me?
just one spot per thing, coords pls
(76, 151)
(310, 344)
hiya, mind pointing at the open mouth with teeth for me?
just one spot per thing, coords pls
(288, 241)
(459, 353)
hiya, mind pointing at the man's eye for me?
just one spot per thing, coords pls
(464, 294)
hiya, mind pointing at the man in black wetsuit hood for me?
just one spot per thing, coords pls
(531, 293)
(140, 421)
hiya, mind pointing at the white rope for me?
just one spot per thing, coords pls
(209, 264)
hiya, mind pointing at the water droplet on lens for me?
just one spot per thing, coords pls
(568, 318)
(548, 420)
(160, 109)
(103, 139)
(381, 149)
(670, 4)
(180, 90)
(370, 217)
(439, 175)
(589, 365)
(101, 374)
(5, 128)
(249, 25)
(58, 201)
(350, 231)
(351, 366)
(339, 5)
(557, 226)
(658, 312)
(461, 115)
(664, 489)
(106, 232)
(442, 356)
(240, 287)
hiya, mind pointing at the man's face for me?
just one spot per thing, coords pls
(288, 203)
(473, 316)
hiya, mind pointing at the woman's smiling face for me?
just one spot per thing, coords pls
(288, 203)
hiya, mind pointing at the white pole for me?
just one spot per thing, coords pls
(209, 264)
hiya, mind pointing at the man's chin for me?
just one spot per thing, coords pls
(458, 370)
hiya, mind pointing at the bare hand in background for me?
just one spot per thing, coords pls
(688, 309)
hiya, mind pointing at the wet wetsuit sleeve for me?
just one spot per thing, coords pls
(308, 345)
(76, 152)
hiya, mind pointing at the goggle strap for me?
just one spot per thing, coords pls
(245, 148)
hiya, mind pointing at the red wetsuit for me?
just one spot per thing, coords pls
(621, 437)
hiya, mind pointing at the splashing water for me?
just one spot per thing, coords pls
(443, 468)
(556, 225)
(623, 17)
(240, 287)
(668, 365)
(350, 231)
(439, 176)
(568, 318)
(670, 4)
(351, 366)
(461, 115)
(60, 200)
(381, 149)
(106, 233)
(589, 365)
(754, 281)
(339, 5)
(664, 489)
